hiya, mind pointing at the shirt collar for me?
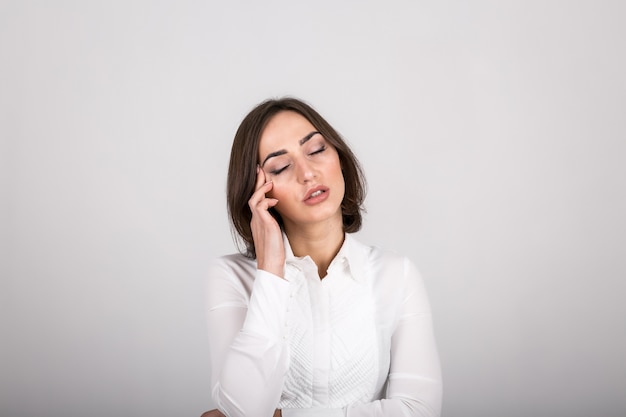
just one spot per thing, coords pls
(352, 252)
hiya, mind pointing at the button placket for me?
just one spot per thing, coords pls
(292, 274)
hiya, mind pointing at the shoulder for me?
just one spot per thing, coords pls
(386, 258)
(234, 264)
(230, 279)
(383, 262)
(396, 281)
(385, 268)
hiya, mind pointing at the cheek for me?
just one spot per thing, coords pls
(276, 192)
(283, 202)
(337, 171)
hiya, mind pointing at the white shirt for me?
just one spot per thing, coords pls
(358, 343)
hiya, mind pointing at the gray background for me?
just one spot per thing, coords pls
(492, 134)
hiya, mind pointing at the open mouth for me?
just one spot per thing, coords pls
(316, 195)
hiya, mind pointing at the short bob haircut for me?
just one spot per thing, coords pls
(244, 157)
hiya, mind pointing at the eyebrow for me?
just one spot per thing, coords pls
(283, 151)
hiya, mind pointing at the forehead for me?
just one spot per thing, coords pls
(285, 128)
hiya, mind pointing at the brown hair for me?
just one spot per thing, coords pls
(244, 159)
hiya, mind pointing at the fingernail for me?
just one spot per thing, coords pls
(258, 168)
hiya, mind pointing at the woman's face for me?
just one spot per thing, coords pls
(305, 170)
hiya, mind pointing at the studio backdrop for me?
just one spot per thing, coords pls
(492, 135)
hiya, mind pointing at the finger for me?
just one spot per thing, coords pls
(264, 205)
(259, 194)
(271, 202)
(260, 177)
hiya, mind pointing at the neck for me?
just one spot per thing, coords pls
(320, 241)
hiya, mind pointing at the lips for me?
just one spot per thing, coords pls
(316, 195)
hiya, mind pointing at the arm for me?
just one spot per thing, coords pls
(414, 382)
(249, 354)
(249, 357)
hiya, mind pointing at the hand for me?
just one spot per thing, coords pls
(266, 233)
(212, 413)
(218, 413)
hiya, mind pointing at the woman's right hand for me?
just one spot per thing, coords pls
(268, 238)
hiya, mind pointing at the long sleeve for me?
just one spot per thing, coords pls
(359, 343)
(249, 355)
(414, 383)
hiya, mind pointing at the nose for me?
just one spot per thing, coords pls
(305, 170)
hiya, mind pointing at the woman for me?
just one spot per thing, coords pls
(310, 322)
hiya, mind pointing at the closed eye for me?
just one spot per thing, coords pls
(320, 150)
(279, 170)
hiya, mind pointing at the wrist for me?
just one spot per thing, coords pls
(275, 269)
